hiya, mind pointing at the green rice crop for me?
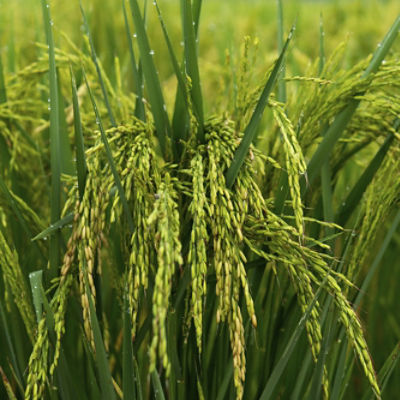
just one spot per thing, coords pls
(190, 209)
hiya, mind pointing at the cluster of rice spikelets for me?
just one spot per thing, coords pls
(185, 218)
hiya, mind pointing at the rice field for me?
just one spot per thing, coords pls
(199, 200)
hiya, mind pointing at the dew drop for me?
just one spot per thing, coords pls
(151, 52)
(135, 35)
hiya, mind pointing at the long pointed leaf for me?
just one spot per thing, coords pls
(55, 143)
(12, 354)
(54, 227)
(158, 390)
(106, 384)
(137, 79)
(98, 70)
(128, 214)
(251, 129)
(177, 132)
(128, 373)
(280, 366)
(81, 167)
(3, 93)
(158, 107)
(281, 92)
(191, 62)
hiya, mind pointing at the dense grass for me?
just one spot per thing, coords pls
(199, 201)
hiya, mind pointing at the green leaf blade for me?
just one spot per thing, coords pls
(251, 129)
(158, 107)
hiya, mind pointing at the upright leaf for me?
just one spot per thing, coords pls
(137, 79)
(55, 142)
(117, 180)
(251, 129)
(98, 70)
(81, 167)
(156, 99)
(191, 63)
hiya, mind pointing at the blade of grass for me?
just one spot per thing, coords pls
(128, 373)
(10, 393)
(158, 107)
(191, 63)
(106, 383)
(251, 129)
(355, 195)
(178, 132)
(281, 90)
(140, 395)
(301, 377)
(67, 165)
(98, 70)
(128, 214)
(54, 227)
(158, 390)
(35, 279)
(223, 389)
(196, 15)
(137, 80)
(378, 258)
(81, 167)
(3, 93)
(316, 386)
(321, 45)
(280, 366)
(338, 126)
(386, 371)
(66, 385)
(55, 144)
(91, 379)
(326, 174)
(11, 351)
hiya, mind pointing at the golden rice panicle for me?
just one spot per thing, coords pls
(295, 163)
(168, 246)
(90, 234)
(60, 300)
(138, 179)
(38, 364)
(226, 216)
(197, 256)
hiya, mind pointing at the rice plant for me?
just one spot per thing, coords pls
(173, 239)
